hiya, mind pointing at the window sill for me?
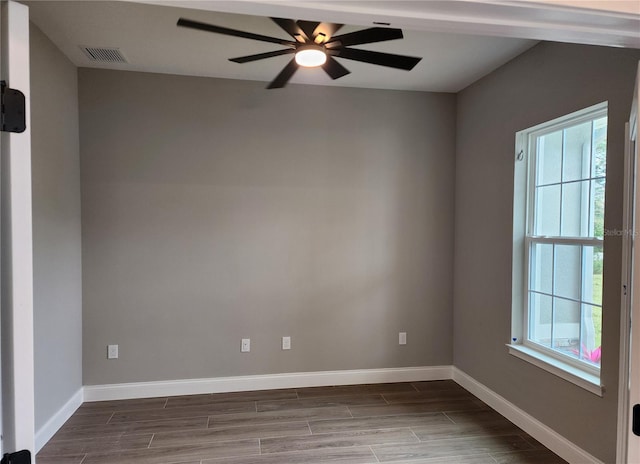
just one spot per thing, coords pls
(565, 371)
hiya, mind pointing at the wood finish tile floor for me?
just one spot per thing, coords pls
(421, 422)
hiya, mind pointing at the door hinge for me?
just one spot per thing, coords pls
(12, 110)
(21, 457)
(635, 423)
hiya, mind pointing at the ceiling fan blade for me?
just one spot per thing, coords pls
(326, 30)
(233, 32)
(383, 59)
(291, 28)
(334, 69)
(308, 27)
(261, 56)
(365, 36)
(284, 76)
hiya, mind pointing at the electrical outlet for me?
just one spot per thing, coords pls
(402, 338)
(246, 345)
(112, 351)
(286, 343)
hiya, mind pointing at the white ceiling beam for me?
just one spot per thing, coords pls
(571, 21)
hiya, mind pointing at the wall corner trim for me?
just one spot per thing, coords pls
(263, 382)
(48, 430)
(541, 432)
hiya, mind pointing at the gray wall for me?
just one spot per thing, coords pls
(215, 210)
(546, 82)
(56, 227)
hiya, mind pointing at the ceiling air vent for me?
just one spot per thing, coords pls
(104, 55)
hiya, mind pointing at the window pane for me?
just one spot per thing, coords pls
(577, 152)
(599, 163)
(565, 201)
(575, 209)
(542, 267)
(592, 271)
(567, 271)
(540, 319)
(596, 221)
(566, 326)
(591, 333)
(547, 212)
(549, 158)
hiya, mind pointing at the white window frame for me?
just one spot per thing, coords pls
(574, 370)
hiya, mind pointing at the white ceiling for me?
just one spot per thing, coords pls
(149, 38)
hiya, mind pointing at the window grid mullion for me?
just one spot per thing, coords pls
(591, 220)
(580, 297)
(553, 294)
(562, 153)
(574, 181)
(539, 292)
(532, 179)
(587, 241)
(527, 286)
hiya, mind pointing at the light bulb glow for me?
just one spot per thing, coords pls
(311, 57)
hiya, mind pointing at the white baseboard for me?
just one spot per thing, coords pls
(545, 435)
(49, 429)
(263, 382)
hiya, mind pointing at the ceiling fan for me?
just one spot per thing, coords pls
(315, 45)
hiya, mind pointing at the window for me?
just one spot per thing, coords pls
(558, 242)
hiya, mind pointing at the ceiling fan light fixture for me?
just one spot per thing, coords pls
(313, 41)
(311, 56)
